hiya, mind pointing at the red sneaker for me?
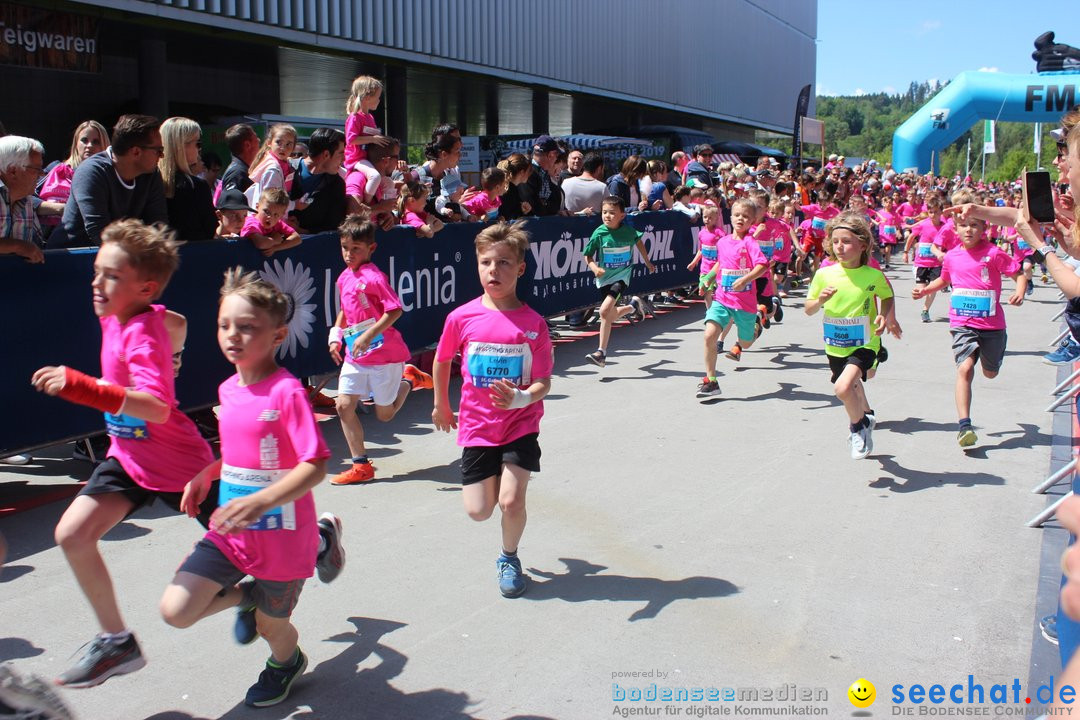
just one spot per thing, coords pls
(358, 473)
(319, 400)
(420, 380)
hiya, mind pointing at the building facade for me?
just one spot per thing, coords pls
(728, 67)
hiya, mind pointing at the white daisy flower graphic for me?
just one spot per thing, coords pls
(299, 287)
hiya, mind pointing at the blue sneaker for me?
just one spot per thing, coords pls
(244, 628)
(1067, 352)
(275, 682)
(511, 579)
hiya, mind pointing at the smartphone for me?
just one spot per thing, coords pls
(1040, 198)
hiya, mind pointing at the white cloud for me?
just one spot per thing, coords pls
(988, 69)
(889, 90)
(824, 91)
(859, 91)
(929, 26)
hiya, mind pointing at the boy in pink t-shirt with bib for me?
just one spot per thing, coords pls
(155, 448)
(976, 321)
(272, 456)
(506, 364)
(371, 352)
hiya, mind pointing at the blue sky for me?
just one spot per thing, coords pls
(872, 46)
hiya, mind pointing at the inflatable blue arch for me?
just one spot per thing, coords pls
(974, 96)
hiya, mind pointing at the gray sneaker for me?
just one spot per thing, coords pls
(101, 660)
(332, 559)
(30, 697)
(861, 443)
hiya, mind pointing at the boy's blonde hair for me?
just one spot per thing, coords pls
(964, 195)
(511, 234)
(745, 203)
(274, 196)
(151, 249)
(855, 223)
(258, 292)
(362, 86)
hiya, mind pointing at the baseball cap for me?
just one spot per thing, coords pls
(545, 143)
(232, 199)
(1058, 134)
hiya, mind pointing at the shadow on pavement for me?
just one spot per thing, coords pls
(915, 480)
(13, 648)
(582, 582)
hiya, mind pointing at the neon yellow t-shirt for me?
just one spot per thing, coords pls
(850, 314)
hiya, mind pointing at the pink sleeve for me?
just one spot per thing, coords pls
(284, 227)
(476, 205)
(1006, 264)
(353, 124)
(142, 357)
(756, 256)
(543, 360)
(412, 219)
(382, 290)
(449, 341)
(303, 431)
(251, 226)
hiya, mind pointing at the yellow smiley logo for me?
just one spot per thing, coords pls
(862, 693)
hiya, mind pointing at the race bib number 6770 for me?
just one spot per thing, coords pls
(488, 362)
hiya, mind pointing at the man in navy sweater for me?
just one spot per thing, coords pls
(122, 181)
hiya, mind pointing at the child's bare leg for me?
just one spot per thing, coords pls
(350, 424)
(515, 482)
(82, 525)
(481, 497)
(849, 388)
(280, 635)
(386, 413)
(609, 313)
(190, 598)
(712, 332)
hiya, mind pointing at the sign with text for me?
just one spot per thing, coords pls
(38, 38)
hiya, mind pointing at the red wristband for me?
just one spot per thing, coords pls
(86, 390)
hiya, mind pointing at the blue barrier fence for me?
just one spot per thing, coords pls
(49, 319)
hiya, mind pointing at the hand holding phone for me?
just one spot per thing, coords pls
(1038, 196)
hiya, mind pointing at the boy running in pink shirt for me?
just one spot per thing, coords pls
(976, 321)
(931, 239)
(272, 455)
(371, 352)
(506, 364)
(155, 448)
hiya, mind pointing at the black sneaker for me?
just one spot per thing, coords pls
(275, 682)
(332, 560)
(30, 697)
(778, 310)
(245, 630)
(597, 358)
(708, 388)
(101, 660)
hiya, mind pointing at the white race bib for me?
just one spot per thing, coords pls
(965, 302)
(728, 276)
(354, 331)
(489, 362)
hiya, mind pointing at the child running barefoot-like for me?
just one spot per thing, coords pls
(506, 363)
(849, 292)
(610, 255)
(371, 352)
(272, 456)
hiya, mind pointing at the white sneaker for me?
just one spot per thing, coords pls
(861, 443)
(16, 460)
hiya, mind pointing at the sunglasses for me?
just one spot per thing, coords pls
(1062, 148)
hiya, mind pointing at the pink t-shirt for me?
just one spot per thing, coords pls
(1021, 249)
(819, 216)
(708, 239)
(927, 234)
(908, 212)
(267, 429)
(975, 276)
(138, 356)
(415, 219)
(735, 258)
(784, 247)
(482, 206)
(494, 344)
(366, 296)
(354, 128)
(889, 225)
(252, 225)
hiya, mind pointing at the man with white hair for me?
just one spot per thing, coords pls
(20, 167)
